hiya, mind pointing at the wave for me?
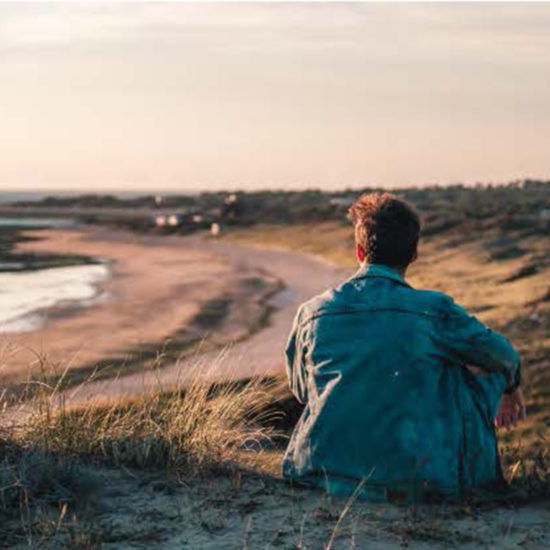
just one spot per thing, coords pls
(25, 298)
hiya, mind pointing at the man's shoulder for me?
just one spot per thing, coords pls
(434, 300)
(317, 304)
(426, 302)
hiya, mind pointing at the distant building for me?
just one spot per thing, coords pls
(232, 208)
(215, 229)
(174, 220)
(190, 220)
(160, 221)
(167, 220)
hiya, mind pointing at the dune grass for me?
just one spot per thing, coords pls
(53, 466)
(197, 430)
(49, 464)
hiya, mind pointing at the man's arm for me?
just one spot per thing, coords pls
(295, 367)
(468, 341)
(486, 350)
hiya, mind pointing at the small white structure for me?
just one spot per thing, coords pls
(160, 221)
(173, 220)
(215, 229)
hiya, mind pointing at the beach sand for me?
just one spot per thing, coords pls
(157, 285)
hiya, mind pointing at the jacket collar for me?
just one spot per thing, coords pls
(379, 270)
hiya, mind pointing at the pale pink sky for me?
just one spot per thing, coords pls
(183, 96)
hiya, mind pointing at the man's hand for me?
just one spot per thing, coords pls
(511, 409)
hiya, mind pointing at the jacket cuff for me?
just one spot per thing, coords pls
(516, 382)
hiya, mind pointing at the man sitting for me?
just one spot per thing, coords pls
(401, 387)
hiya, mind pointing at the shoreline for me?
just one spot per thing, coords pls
(160, 287)
(234, 301)
(18, 267)
(137, 310)
(14, 259)
(90, 293)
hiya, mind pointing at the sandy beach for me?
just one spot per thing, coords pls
(156, 288)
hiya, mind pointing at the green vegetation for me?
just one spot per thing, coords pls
(516, 205)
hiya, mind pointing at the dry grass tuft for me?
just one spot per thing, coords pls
(206, 429)
(199, 429)
(527, 470)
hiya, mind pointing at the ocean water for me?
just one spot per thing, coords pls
(36, 223)
(7, 197)
(29, 196)
(26, 297)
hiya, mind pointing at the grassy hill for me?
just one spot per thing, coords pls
(199, 468)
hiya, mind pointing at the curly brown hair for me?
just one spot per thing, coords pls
(386, 227)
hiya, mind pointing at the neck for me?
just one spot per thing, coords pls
(400, 270)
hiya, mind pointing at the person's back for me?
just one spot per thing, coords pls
(381, 369)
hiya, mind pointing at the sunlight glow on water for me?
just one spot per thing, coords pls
(24, 297)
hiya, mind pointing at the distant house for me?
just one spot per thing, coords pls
(174, 220)
(168, 220)
(232, 208)
(159, 221)
(215, 229)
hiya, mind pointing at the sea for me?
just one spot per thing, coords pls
(29, 298)
(31, 196)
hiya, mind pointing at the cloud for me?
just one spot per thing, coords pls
(522, 28)
(61, 25)
(65, 24)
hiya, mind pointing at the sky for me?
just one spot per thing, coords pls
(187, 96)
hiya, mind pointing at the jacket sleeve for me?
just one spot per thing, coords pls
(468, 341)
(295, 367)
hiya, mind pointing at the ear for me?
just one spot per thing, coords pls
(360, 253)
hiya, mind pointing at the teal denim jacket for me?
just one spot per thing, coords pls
(389, 404)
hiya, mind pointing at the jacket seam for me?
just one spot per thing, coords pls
(401, 310)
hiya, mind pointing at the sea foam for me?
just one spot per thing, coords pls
(26, 297)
